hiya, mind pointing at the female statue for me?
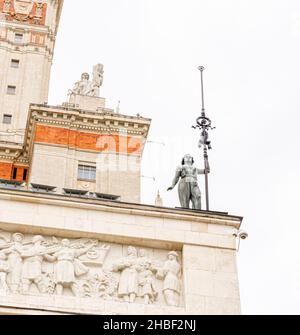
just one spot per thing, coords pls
(188, 188)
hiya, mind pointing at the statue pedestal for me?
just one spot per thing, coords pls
(86, 102)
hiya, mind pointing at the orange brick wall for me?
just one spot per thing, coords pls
(88, 141)
(6, 171)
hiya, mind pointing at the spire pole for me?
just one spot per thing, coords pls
(204, 125)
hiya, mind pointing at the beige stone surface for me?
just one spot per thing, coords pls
(88, 103)
(33, 75)
(209, 273)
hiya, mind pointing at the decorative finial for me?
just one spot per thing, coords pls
(204, 125)
(118, 107)
(158, 200)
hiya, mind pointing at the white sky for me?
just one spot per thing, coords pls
(251, 51)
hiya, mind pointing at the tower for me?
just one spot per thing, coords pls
(28, 30)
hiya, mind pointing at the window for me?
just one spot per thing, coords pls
(19, 38)
(15, 63)
(7, 119)
(25, 172)
(15, 171)
(11, 90)
(86, 172)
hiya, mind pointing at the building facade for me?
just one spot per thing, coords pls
(74, 237)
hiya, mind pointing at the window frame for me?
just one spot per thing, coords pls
(5, 116)
(16, 62)
(9, 87)
(86, 172)
(18, 38)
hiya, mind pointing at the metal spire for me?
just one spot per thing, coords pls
(204, 124)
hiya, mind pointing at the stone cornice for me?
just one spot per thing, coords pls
(103, 121)
(122, 207)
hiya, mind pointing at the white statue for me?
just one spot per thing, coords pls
(87, 87)
(4, 269)
(15, 262)
(170, 273)
(97, 78)
(128, 283)
(68, 266)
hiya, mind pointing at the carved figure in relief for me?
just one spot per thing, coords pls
(170, 273)
(147, 287)
(68, 267)
(39, 9)
(147, 284)
(32, 268)
(13, 250)
(6, 6)
(4, 269)
(128, 283)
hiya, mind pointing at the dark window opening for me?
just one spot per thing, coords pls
(7, 119)
(25, 174)
(15, 173)
(15, 63)
(11, 90)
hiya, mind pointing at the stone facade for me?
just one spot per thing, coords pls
(27, 39)
(74, 238)
(120, 258)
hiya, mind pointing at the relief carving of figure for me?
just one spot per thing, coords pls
(128, 283)
(4, 269)
(39, 9)
(170, 273)
(6, 6)
(13, 251)
(32, 268)
(146, 278)
(68, 267)
(147, 284)
(188, 188)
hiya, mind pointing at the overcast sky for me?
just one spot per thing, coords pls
(251, 50)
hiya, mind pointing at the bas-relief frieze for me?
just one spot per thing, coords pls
(88, 268)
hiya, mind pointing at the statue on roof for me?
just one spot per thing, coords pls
(188, 188)
(88, 87)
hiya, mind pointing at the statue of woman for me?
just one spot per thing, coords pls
(188, 188)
